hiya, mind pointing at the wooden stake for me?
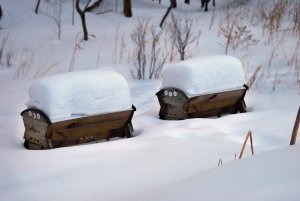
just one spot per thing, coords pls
(249, 135)
(295, 130)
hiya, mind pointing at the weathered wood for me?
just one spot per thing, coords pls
(295, 129)
(36, 124)
(179, 106)
(41, 133)
(87, 133)
(174, 104)
(215, 104)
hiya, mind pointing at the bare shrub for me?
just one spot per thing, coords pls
(236, 36)
(139, 37)
(181, 34)
(156, 61)
(148, 56)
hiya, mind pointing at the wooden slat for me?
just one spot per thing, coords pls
(78, 122)
(92, 132)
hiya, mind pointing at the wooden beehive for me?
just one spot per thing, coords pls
(202, 87)
(176, 105)
(41, 133)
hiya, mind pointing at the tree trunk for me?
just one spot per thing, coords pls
(173, 3)
(82, 17)
(166, 14)
(94, 6)
(127, 8)
(187, 1)
(36, 10)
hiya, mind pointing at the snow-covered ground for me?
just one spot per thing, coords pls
(166, 160)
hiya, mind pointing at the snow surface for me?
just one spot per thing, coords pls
(204, 75)
(166, 159)
(81, 93)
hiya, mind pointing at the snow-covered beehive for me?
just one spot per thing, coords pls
(76, 108)
(80, 93)
(202, 87)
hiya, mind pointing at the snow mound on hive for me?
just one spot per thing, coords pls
(204, 75)
(80, 93)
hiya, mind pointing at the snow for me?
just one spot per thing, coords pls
(165, 160)
(204, 75)
(268, 176)
(80, 93)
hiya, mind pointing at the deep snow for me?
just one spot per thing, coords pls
(166, 160)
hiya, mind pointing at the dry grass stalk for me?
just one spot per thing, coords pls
(9, 57)
(122, 48)
(116, 43)
(274, 18)
(220, 162)
(42, 71)
(273, 53)
(98, 57)
(296, 19)
(25, 62)
(253, 78)
(2, 47)
(237, 36)
(75, 48)
(249, 135)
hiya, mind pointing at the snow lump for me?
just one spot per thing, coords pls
(204, 75)
(80, 93)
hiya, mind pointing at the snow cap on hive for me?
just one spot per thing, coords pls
(80, 93)
(204, 75)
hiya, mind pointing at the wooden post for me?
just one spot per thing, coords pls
(295, 130)
(249, 135)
